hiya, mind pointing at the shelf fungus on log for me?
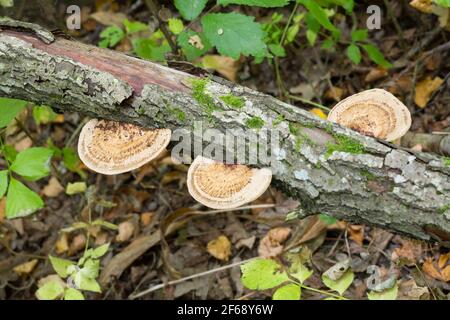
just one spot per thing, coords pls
(375, 113)
(111, 147)
(225, 186)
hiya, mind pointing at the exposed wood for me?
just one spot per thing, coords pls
(382, 185)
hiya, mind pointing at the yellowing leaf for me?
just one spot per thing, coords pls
(438, 270)
(318, 112)
(424, 90)
(341, 284)
(26, 268)
(76, 187)
(220, 248)
(425, 6)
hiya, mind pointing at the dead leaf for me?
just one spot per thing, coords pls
(356, 233)
(147, 218)
(271, 245)
(226, 66)
(306, 90)
(424, 90)
(126, 230)
(438, 270)
(220, 248)
(2, 209)
(196, 42)
(78, 243)
(26, 268)
(425, 6)
(376, 74)
(23, 144)
(409, 290)
(108, 18)
(53, 188)
(334, 93)
(318, 112)
(410, 252)
(249, 242)
(62, 244)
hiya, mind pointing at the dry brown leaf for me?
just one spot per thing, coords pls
(249, 242)
(226, 66)
(220, 248)
(438, 270)
(424, 90)
(126, 230)
(62, 244)
(23, 144)
(108, 18)
(376, 74)
(26, 268)
(78, 243)
(334, 93)
(356, 233)
(271, 244)
(425, 6)
(196, 42)
(53, 188)
(410, 251)
(147, 218)
(409, 290)
(101, 238)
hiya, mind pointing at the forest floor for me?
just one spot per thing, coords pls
(155, 197)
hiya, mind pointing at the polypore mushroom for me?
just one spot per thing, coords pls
(110, 147)
(374, 112)
(225, 186)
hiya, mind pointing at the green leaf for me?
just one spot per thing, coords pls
(148, 49)
(71, 159)
(89, 285)
(33, 163)
(9, 153)
(277, 50)
(389, 294)
(292, 33)
(262, 274)
(6, 3)
(341, 284)
(111, 36)
(105, 224)
(313, 29)
(50, 291)
(255, 3)
(300, 272)
(190, 9)
(191, 46)
(134, 26)
(61, 266)
(327, 219)
(443, 3)
(354, 53)
(318, 13)
(100, 251)
(234, 34)
(3, 182)
(360, 35)
(290, 291)
(176, 26)
(43, 115)
(376, 56)
(21, 201)
(73, 294)
(75, 188)
(9, 109)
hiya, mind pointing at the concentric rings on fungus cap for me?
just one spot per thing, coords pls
(110, 147)
(225, 186)
(374, 112)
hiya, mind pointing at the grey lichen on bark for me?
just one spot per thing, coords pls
(330, 169)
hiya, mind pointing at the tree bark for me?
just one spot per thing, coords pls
(380, 184)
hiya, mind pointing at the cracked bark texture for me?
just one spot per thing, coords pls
(384, 185)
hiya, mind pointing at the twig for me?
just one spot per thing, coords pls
(198, 275)
(297, 98)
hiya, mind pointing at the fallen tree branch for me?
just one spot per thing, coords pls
(382, 185)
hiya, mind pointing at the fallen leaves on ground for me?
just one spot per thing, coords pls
(439, 270)
(409, 252)
(271, 245)
(226, 66)
(220, 248)
(424, 90)
(126, 230)
(334, 93)
(26, 268)
(53, 188)
(62, 244)
(425, 6)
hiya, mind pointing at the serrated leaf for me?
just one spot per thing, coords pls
(100, 251)
(341, 284)
(61, 266)
(262, 274)
(3, 182)
(256, 3)
(354, 53)
(134, 26)
(234, 34)
(360, 35)
(73, 294)
(21, 201)
(376, 56)
(33, 163)
(389, 294)
(50, 291)
(193, 44)
(190, 9)
(9, 108)
(290, 291)
(111, 36)
(318, 13)
(176, 26)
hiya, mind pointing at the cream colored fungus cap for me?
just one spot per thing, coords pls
(225, 186)
(110, 147)
(374, 112)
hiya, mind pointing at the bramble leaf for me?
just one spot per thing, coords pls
(190, 9)
(33, 163)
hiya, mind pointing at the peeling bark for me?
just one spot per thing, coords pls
(383, 185)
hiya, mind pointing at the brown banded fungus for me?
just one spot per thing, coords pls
(226, 186)
(375, 113)
(110, 147)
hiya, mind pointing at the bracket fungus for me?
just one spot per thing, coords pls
(374, 112)
(110, 147)
(225, 186)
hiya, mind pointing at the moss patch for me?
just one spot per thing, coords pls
(444, 209)
(447, 161)
(368, 175)
(199, 94)
(344, 144)
(255, 123)
(278, 120)
(300, 137)
(233, 101)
